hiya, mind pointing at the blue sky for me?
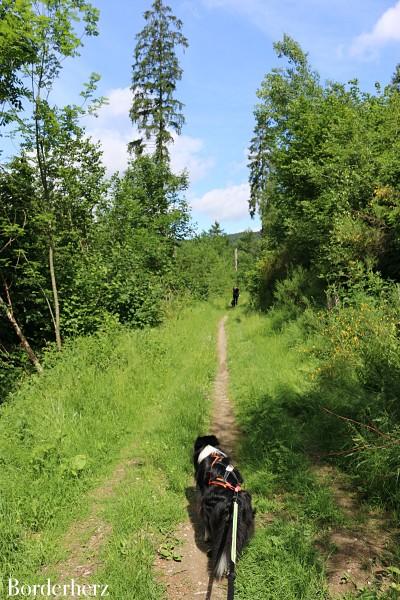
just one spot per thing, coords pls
(230, 51)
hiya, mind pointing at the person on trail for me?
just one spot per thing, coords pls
(235, 296)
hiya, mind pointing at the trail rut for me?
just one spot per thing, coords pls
(190, 578)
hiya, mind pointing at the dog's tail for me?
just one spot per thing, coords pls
(224, 530)
(222, 540)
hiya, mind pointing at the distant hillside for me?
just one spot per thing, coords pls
(234, 237)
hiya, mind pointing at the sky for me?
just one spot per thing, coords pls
(230, 51)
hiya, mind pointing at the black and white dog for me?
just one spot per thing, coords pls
(218, 482)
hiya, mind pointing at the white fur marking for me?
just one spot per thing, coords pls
(207, 451)
(222, 566)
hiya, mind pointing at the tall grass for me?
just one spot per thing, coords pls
(282, 376)
(268, 378)
(62, 433)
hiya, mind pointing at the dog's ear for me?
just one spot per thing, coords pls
(199, 444)
(212, 440)
(205, 440)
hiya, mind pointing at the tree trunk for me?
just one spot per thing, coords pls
(55, 297)
(24, 342)
(41, 158)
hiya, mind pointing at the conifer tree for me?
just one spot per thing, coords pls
(156, 70)
(395, 82)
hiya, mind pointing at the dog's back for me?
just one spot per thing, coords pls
(216, 511)
(217, 485)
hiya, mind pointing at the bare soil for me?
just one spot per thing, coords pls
(191, 579)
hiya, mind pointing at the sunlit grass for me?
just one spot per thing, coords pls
(269, 376)
(63, 433)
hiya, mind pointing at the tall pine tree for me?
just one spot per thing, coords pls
(156, 70)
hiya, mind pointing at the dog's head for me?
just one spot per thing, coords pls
(201, 442)
(205, 440)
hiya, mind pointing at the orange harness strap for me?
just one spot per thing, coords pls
(225, 484)
(220, 480)
(217, 458)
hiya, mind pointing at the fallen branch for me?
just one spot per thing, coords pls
(369, 427)
(8, 309)
(392, 440)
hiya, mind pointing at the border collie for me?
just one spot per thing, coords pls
(218, 481)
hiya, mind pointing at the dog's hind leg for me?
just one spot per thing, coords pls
(207, 536)
(221, 534)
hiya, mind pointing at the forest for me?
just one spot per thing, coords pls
(109, 294)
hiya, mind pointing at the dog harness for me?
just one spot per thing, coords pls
(222, 481)
(209, 450)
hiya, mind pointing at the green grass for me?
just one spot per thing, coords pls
(143, 396)
(275, 393)
(117, 394)
(268, 379)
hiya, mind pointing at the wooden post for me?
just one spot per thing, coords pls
(236, 259)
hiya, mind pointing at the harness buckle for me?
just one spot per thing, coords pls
(228, 470)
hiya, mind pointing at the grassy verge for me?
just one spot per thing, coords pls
(272, 385)
(63, 433)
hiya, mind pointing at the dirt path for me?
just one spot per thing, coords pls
(190, 578)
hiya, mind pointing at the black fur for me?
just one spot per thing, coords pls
(216, 506)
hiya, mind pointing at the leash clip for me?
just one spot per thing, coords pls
(228, 470)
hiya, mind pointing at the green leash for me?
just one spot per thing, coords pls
(231, 576)
(234, 531)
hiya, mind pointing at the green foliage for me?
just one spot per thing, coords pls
(52, 188)
(325, 175)
(324, 172)
(156, 71)
(34, 40)
(269, 267)
(358, 377)
(283, 375)
(17, 49)
(205, 266)
(135, 238)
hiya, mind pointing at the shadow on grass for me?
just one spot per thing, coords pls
(287, 431)
(193, 510)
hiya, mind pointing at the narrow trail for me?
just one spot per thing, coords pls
(190, 578)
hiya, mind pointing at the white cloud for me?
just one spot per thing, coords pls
(186, 153)
(119, 103)
(114, 145)
(385, 30)
(229, 203)
(114, 129)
